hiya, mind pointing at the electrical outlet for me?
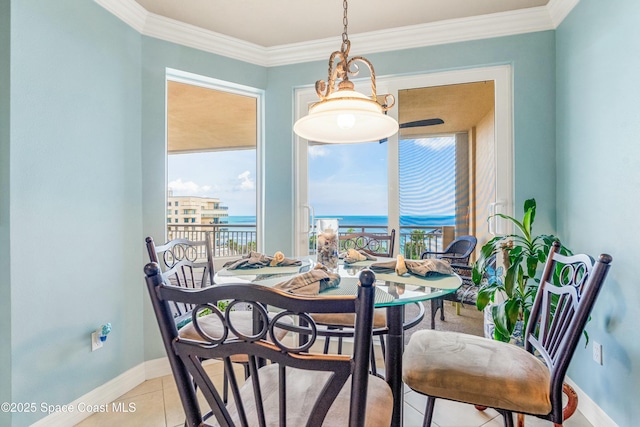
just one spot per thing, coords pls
(96, 343)
(597, 353)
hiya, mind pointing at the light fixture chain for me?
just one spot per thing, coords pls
(345, 22)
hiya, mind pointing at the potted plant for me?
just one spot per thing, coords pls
(516, 281)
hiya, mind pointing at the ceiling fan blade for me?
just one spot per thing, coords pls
(417, 123)
(420, 123)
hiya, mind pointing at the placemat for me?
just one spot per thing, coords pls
(288, 269)
(366, 262)
(349, 288)
(440, 281)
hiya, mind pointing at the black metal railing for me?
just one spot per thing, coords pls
(229, 240)
(413, 240)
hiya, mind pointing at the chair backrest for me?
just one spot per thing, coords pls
(568, 290)
(184, 263)
(371, 243)
(459, 251)
(185, 356)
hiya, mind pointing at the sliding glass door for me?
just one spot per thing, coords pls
(437, 178)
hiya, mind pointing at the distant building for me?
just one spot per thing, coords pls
(185, 210)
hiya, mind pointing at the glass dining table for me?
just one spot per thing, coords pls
(393, 291)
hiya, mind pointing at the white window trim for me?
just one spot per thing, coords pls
(180, 76)
(501, 75)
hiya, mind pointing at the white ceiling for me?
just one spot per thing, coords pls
(269, 23)
(280, 32)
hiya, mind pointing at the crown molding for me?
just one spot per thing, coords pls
(559, 9)
(128, 11)
(189, 35)
(436, 33)
(451, 31)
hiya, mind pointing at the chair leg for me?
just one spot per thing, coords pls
(520, 420)
(382, 346)
(225, 388)
(434, 311)
(436, 303)
(327, 341)
(508, 418)
(372, 360)
(428, 412)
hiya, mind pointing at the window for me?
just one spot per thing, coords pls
(342, 179)
(214, 131)
(470, 103)
(427, 169)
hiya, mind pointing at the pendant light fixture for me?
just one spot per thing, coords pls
(343, 115)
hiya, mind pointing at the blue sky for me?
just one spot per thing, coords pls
(349, 179)
(227, 175)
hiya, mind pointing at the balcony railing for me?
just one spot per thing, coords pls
(413, 240)
(232, 240)
(227, 240)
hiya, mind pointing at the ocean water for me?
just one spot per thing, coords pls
(350, 221)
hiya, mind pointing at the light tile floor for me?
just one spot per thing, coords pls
(157, 404)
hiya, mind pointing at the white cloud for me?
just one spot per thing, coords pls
(437, 143)
(187, 188)
(246, 182)
(317, 151)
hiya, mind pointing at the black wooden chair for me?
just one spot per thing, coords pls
(372, 243)
(287, 384)
(189, 264)
(505, 376)
(457, 253)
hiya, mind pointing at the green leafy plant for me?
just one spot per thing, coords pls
(516, 281)
(414, 248)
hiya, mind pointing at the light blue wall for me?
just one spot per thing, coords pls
(532, 57)
(75, 199)
(157, 56)
(88, 162)
(5, 288)
(598, 125)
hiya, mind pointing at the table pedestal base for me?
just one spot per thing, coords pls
(393, 361)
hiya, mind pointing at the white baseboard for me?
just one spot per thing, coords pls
(125, 382)
(591, 411)
(110, 391)
(156, 368)
(102, 395)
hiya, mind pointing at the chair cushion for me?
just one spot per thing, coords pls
(476, 370)
(348, 319)
(303, 388)
(465, 294)
(241, 320)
